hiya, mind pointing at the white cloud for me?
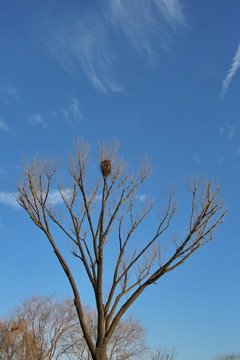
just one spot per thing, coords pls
(227, 130)
(75, 107)
(8, 199)
(3, 126)
(87, 40)
(141, 197)
(230, 131)
(172, 11)
(37, 119)
(73, 112)
(221, 160)
(147, 24)
(83, 43)
(8, 88)
(54, 198)
(232, 71)
(196, 158)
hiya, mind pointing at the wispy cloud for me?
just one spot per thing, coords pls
(8, 89)
(3, 126)
(84, 44)
(196, 158)
(37, 119)
(73, 113)
(227, 130)
(146, 24)
(221, 160)
(7, 198)
(232, 71)
(141, 197)
(172, 11)
(230, 131)
(54, 198)
(88, 40)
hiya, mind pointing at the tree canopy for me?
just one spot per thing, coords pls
(103, 212)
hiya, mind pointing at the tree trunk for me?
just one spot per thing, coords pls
(101, 354)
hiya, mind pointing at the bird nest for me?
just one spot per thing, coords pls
(106, 167)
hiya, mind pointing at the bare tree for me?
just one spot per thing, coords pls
(110, 219)
(43, 328)
(229, 357)
(128, 340)
(163, 354)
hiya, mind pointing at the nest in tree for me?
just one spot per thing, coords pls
(14, 328)
(106, 167)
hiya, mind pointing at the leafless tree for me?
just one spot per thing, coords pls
(43, 328)
(163, 354)
(98, 222)
(128, 340)
(233, 356)
(40, 329)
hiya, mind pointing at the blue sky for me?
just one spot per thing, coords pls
(163, 77)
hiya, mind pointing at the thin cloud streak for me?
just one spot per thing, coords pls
(227, 130)
(87, 40)
(3, 126)
(231, 130)
(54, 198)
(73, 112)
(8, 199)
(172, 11)
(196, 158)
(37, 119)
(84, 43)
(147, 24)
(232, 71)
(141, 198)
(8, 88)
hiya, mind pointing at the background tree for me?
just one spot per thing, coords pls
(232, 356)
(44, 328)
(111, 221)
(41, 328)
(163, 354)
